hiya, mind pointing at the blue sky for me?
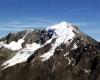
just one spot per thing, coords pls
(16, 15)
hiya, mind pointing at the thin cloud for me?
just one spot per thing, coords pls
(25, 23)
(95, 31)
(29, 22)
(82, 9)
(9, 29)
(86, 23)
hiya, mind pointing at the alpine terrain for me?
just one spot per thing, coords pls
(58, 52)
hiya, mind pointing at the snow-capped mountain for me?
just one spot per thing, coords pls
(59, 52)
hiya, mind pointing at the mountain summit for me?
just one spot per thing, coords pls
(59, 52)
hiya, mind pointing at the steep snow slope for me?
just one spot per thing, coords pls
(63, 32)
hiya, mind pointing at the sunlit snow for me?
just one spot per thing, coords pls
(15, 45)
(22, 55)
(64, 33)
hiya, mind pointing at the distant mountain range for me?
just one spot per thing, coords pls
(58, 52)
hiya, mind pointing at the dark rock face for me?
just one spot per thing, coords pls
(69, 62)
(14, 36)
(37, 35)
(5, 54)
(84, 65)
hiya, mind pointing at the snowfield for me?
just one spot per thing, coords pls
(63, 32)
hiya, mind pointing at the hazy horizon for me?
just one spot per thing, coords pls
(17, 15)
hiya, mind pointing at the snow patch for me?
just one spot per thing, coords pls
(70, 60)
(47, 55)
(22, 55)
(66, 54)
(15, 45)
(87, 71)
(74, 46)
(49, 41)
